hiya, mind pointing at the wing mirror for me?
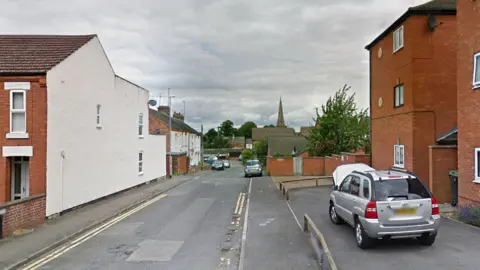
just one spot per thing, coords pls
(335, 187)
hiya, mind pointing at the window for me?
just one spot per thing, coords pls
(355, 186)
(99, 124)
(140, 162)
(398, 39)
(399, 94)
(366, 189)
(477, 165)
(400, 189)
(399, 159)
(345, 186)
(18, 112)
(476, 70)
(140, 125)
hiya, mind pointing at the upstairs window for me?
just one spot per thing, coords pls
(399, 158)
(399, 96)
(476, 70)
(18, 112)
(140, 125)
(398, 39)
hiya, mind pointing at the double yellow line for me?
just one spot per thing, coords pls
(57, 253)
(240, 203)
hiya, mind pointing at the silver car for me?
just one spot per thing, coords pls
(253, 167)
(384, 205)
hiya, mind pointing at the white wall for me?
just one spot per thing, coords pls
(183, 142)
(97, 161)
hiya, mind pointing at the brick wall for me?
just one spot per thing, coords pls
(468, 99)
(331, 163)
(280, 166)
(180, 164)
(313, 166)
(23, 214)
(442, 160)
(36, 111)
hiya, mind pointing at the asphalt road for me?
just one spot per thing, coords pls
(456, 246)
(192, 228)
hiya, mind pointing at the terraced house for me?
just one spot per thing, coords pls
(71, 130)
(413, 90)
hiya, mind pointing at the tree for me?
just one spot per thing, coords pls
(227, 129)
(246, 129)
(209, 138)
(269, 126)
(261, 150)
(342, 127)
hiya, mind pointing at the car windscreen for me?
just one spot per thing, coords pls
(400, 189)
(252, 162)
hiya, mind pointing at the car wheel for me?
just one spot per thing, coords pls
(427, 240)
(361, 237)
(333, 215)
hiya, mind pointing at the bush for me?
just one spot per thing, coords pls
(469, 214)
(247, 155)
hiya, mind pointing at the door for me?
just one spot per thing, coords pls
(20, 177)
(297, 166)
(352, 198)
(343, 190)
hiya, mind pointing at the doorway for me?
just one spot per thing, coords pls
(20, 172)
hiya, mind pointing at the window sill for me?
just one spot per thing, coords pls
(397, 50)
(140, 173)
(141, 137)
(99, 126)
(17, 136)
(476, 181)
(399, 167)
(476, 86)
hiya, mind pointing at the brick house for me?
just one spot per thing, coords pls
(64, 114)
(186, 141)
(468, 22)
(413, 99)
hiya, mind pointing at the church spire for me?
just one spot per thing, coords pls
(280, 119)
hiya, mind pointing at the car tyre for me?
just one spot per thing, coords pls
(361, 237)
(427, 240)
(334, 216)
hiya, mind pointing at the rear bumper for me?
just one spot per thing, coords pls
(253, 173)
(375, 230)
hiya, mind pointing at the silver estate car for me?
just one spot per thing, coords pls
(384, 205)
(253, 167)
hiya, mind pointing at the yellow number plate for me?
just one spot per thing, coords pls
(406, 212)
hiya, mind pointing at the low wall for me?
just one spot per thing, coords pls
(442, 159)
(313, 166)
(23, 214)
(280, 166)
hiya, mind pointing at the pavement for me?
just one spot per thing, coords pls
(16, 249)
(274, 238)
(456, 246)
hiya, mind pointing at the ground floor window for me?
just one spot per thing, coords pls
(140, 162)
(399, 156)
(19, 172)
(477, 164)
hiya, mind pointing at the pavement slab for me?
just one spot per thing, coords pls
(456, 246)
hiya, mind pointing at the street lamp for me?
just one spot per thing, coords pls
(170, 130)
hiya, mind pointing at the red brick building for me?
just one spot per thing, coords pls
(413, 97)
(468, 22)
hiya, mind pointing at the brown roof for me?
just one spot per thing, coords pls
(36, 53)
(305, 131)
(286, 145)
(263, 133)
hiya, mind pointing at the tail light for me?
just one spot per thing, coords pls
(435, 207)
(260, 166)
(371, 210)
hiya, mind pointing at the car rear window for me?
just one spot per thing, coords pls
(218, 162)
(252, 162)
(400, 189)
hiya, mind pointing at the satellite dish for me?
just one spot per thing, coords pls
(152, 102)
(432, 21)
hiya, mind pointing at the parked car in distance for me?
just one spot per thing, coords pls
(226, 163)
(383, 205)
(253, 168)
(218, 165)
(210, 160)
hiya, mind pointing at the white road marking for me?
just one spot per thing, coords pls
(245, 224)
(268, 221)
(293, 213)
(57, 253)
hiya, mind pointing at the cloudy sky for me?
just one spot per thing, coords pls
(228, 59)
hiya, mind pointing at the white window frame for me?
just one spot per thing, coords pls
(476, 59)
(99, 116)
(140, 126)
(14, 111)
(400, 162)
(397, 45)
(400, 98)
(140, 162)
(476, 166)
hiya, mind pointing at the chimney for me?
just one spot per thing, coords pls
(178, 116)
(164, 109)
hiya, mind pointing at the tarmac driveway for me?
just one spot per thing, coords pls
(457, 245)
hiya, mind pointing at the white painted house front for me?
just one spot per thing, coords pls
(189, 143)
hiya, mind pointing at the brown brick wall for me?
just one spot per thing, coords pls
(36, 101)
(442, 160)
(313, 166)
(468, 18)
(280, 167)
(23, 215)
(426, 66)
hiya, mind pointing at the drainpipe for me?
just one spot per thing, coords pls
(62, 157)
